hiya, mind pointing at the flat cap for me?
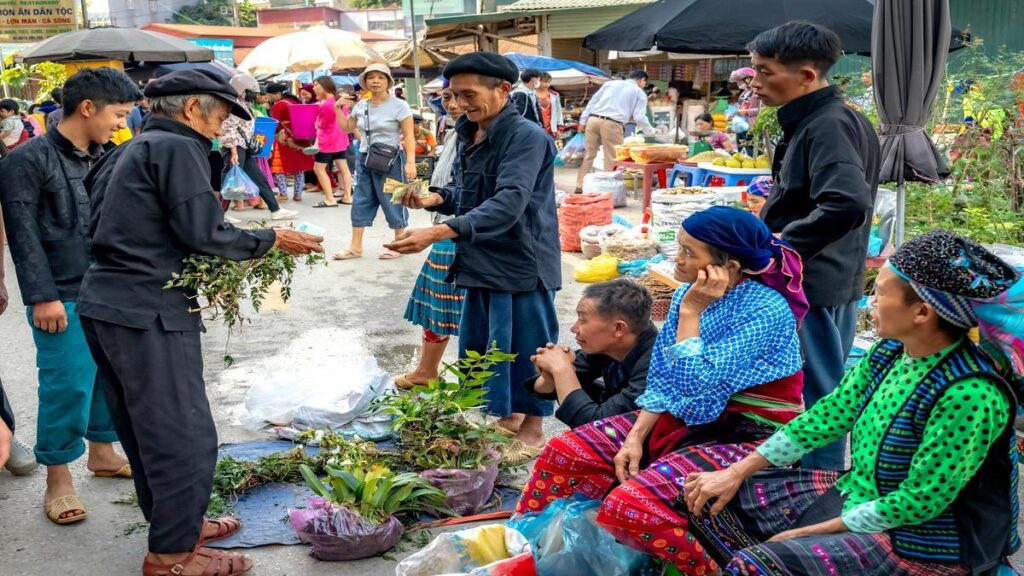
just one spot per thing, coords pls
(484, 64)
(197, 81)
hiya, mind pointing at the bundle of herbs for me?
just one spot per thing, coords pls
(223, 284)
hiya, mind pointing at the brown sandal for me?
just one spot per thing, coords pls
(219, 563)
(226, 526)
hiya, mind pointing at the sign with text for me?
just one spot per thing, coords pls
(223, 49)
(35, 20)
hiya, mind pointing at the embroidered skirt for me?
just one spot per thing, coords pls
(435, 304)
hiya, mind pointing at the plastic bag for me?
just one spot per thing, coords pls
(592, 236)
(600, 269)
(468, 490)
(492, 550)
(607, 182)
(336, 533)
(566, 540)
(882, 222)
(579, 211)
(739, 124)
(572, 152)
(238, 186)
(638, 268)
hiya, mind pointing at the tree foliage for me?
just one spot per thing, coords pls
(371, 4)
(49, 75)
(216, 13)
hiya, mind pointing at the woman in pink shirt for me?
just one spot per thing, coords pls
(332, 144)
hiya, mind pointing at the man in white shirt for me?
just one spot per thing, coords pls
(613, 106)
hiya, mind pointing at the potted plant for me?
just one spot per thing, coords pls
(355, 514)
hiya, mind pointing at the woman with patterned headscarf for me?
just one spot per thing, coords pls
(932, 487)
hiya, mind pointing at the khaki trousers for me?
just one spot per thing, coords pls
(599, 132)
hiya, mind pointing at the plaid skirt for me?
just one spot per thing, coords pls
(435, 304)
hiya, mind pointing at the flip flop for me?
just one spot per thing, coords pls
(62, 505)
(516, 453)
(122, 472)
(226, 526)
(402, 382)
(322, 204)
(349, 203)
(346, 254)
(389, 255)
(219, 563)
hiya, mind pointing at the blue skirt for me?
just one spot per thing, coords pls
(435, 304)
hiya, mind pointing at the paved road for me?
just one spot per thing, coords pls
(363, 299)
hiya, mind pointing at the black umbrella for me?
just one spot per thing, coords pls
(124, 44)
(911, 45)
(726, 26)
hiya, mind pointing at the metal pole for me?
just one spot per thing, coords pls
(85, 16)
(415, 50)
(901, 211)
(7, 93)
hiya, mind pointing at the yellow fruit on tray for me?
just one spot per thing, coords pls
(763, 164)
(719, 162)
(733, 164)
(749, 164)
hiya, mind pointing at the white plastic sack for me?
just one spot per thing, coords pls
(599, 160)
(610, 182)
(309, 386)
(484, 550)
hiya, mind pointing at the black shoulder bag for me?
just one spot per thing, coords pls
(378, 157)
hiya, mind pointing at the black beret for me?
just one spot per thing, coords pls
(196, 81)
(277, 88)
(484, 64)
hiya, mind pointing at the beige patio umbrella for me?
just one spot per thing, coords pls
(316, 48)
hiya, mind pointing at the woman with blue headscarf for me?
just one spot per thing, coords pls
(725, 371)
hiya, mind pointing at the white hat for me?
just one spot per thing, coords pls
(376, 67)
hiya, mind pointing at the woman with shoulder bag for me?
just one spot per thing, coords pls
(237, 143)
(387, 150)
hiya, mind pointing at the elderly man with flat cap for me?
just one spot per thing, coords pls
(153, 207)
(502, 199)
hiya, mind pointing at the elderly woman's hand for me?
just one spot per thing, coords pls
(702, 487)
(711, 284)
(297, 243)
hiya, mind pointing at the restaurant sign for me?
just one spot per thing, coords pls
(35, 20)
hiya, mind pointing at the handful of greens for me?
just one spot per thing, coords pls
(224, 283)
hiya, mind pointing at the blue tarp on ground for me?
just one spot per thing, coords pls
(545, 64)
(264, 510)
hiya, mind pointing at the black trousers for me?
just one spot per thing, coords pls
(6, 414)
(252, 170)
(155, 391)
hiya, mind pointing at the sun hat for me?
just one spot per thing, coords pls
(376, 67)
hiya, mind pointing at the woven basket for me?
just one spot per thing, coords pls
(659, 310)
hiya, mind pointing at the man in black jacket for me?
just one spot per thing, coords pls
(524, 96)
(153, 207)
(606, 375)
(505, 227)
(826, 177)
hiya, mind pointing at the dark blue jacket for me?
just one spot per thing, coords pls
(502, 197)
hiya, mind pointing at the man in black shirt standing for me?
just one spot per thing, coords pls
(46, 211)
(826, 177)
(152, 207)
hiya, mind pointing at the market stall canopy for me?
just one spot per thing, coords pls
(560, 79)
(911, 45)
(124, 44)
(401, 55)
(316, 48)
(215, 66)
(726, 26)
(546, 64)
(307, 77)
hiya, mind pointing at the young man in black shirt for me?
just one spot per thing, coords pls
(826, 177)
(46, 212)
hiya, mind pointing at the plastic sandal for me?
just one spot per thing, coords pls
(62, 505)
(346, 254)
(218, 564)
(122, 472)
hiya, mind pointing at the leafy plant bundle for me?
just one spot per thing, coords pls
(232, 477)
(432, 423)
(223, 284)
(376, 493)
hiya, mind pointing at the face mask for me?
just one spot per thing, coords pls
(743, 85)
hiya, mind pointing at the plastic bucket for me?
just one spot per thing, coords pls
(263, 131)
(303, 117)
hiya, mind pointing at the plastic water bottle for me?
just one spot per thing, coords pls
(310, 229)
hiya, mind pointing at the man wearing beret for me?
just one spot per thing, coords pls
(153, 206)
(502, 199)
